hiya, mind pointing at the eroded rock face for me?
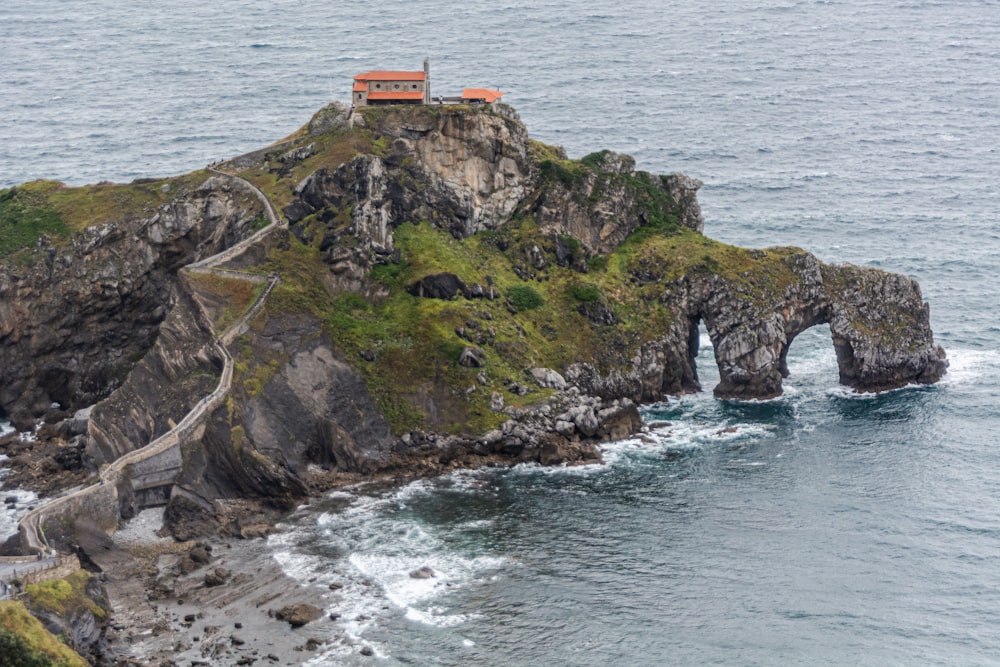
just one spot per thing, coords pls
(601, 207)
(878, 320)
(73, 324)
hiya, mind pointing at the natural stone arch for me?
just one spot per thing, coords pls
(879, 324)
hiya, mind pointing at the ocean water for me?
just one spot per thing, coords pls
(819, 528)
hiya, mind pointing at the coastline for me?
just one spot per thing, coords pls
(164, 612)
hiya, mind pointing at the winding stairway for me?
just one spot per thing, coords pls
(104, 491)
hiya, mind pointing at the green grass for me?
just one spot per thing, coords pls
(48, 208)
(63, 595)
(26, 215)
(24, 641)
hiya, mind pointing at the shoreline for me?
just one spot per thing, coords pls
(165, 613)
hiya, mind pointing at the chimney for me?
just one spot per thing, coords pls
(427, 80)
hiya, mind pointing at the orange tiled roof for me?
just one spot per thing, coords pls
(396, 95)
(360, 87)
(481, 94)
(391, 76)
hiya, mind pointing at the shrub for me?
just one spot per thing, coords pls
(586, 292)
(525, 297)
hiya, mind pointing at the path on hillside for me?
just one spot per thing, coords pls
(31, 523)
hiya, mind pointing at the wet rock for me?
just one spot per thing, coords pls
(217, 577)
(424, 572)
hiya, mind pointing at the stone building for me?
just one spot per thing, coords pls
(374, 88)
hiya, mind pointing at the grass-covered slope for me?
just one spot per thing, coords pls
(24, 642)
(592, 308)
(51, 209)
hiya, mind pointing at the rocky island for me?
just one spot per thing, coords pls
(389, 292)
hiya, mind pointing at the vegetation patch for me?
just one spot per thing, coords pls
(24, 641)
(61, 596)
(26, 215)
(525, 297)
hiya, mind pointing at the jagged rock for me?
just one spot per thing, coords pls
(472, 357)
(297, 210)
(598, 313)
(72, 327)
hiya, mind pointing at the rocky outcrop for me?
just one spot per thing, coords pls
(600, 203)
(879, 324)
(390, 355)
(75, 321)
(76, 609)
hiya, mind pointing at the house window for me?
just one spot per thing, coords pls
(378, 85)
(414, 86)
(396, 86)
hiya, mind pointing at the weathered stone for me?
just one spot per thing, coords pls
(217, 577)
(548, 378)
(298, 615)
(472, 357)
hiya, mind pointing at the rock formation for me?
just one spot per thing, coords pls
(452, 293)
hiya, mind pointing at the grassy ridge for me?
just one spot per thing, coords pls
(51, 209)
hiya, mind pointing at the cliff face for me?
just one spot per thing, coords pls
(451, 293)
(75, 318)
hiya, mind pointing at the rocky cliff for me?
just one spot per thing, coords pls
(77, 313)
(452, 293)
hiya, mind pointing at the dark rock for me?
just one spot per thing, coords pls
(217, 577)
(297, 210)
(598, 313)
(438, 286)
(367, 651)
(200, 554)
(422, 573)
(236, 641)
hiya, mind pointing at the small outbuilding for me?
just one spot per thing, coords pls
(480, 95)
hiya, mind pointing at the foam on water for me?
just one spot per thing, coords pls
(11, 514)
(376, 543)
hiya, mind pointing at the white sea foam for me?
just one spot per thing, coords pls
(965, 366)
(11, 514)
(383, 544)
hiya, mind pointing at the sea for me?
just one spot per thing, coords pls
(820, 528)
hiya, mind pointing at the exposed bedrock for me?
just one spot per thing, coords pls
(75, 321)
(879, 324)
(182, 366)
